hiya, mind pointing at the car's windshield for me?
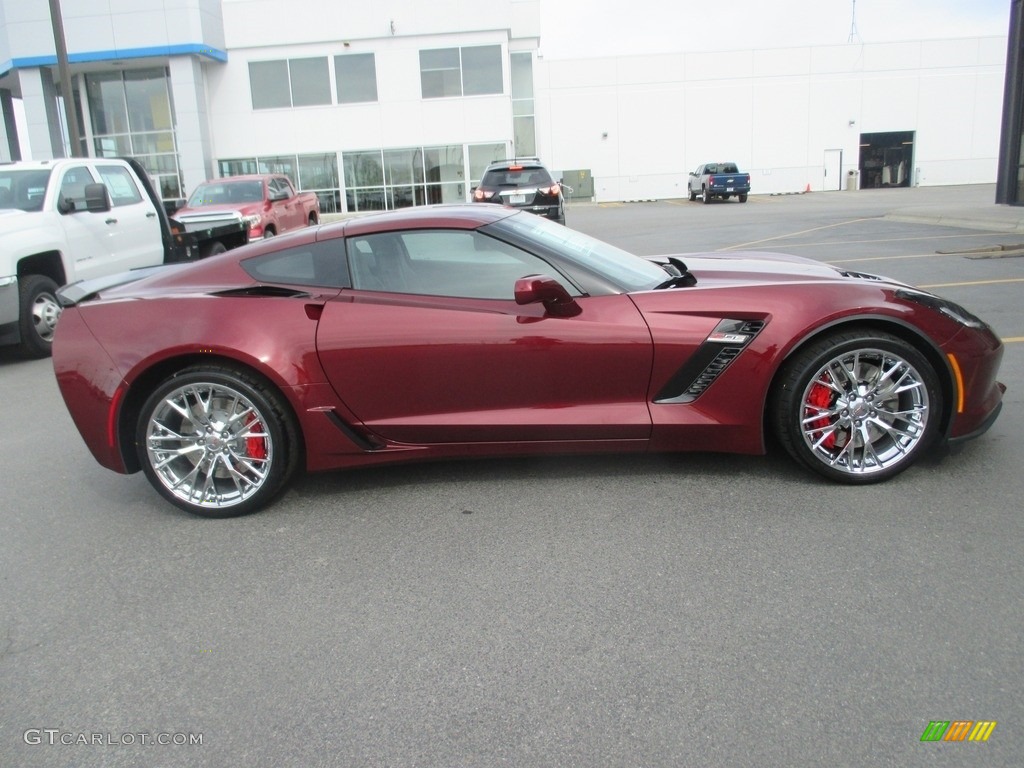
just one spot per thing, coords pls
(24, 189)
(619, 267)
(226, 193)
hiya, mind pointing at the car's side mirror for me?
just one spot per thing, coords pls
(548, 291)
(97, 200)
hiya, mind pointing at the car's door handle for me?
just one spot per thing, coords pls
(151, 215)
(111, 221)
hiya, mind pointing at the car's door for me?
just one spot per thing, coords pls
(133, 224)
(87, 234)
(430, 346)
(285, 202)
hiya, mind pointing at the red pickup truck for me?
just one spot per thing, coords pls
(267, 202)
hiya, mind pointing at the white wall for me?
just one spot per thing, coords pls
(400, 117)
(775, 112)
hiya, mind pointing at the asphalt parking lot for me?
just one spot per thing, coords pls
(611, 611)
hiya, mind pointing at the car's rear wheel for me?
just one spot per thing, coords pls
(705, 196)
(217, 441)
(858, 406)
(743, 198)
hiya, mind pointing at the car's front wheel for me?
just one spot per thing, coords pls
(40, 311)
(857, 406)
(217, 441)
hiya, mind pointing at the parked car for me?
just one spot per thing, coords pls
(73, 218)
(522, 183)
(268, 203)
(722, 180)
(471, 330)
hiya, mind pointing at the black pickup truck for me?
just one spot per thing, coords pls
(722, 180)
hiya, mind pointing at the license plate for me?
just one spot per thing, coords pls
(729, 189)
(517, 199)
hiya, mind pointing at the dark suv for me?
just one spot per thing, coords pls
(522, 183)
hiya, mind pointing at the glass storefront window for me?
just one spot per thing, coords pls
(107, 103)
(403, 166)
(281, 164)
(525, 136)
(238, 167)
(443, 163)
(318, 171)
(112, 146)
(363, 169)
(149, 107)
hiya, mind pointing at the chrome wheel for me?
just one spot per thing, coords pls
(864, 411)
(858, 407)
(209, 445)
(45, 313)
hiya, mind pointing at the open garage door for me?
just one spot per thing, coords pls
(886, 159)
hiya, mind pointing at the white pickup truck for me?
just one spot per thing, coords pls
(79, 218)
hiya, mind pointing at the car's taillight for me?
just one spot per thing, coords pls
(554, 189)
(711, 180)
(480, 194)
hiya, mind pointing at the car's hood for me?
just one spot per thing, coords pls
(16, 220)
(759, 267)
(221, 210)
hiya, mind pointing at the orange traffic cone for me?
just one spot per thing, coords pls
(808, 188)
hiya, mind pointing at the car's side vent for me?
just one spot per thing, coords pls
(270, 291)
(859, 275)
(721, 347)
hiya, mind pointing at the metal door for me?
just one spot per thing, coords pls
(833, 175)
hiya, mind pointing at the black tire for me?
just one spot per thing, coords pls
(858, 406)
(705, 196)
(243, 440)
(37, 315)
(743, 198)
(693, 195)
(214, 249)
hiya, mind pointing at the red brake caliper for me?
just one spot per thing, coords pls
(255, 447)
(820, 396)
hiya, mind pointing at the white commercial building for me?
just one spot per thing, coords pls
(396, 102)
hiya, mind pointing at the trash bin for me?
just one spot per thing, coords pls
(853, 180)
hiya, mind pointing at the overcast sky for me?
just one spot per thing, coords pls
(575, 28)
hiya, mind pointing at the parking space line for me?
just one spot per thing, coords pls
(793, 234)
(974, 282)
(1013, 340)
(885, 258)
(894, 239)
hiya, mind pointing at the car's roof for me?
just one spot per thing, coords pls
(525, 162)
(445, 216)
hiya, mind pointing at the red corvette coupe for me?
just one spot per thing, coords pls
(475, 330)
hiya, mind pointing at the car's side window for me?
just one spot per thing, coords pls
(122, 187)
(443, 262)
(72, 188)
(319, 264)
